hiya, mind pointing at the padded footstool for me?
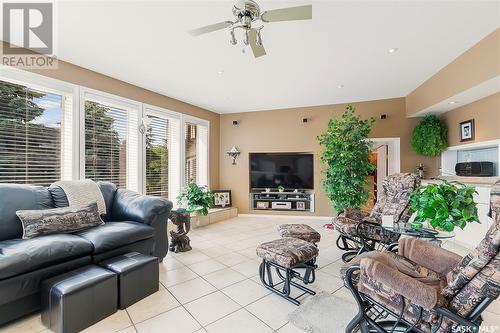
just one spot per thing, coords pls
(78, 299)
(138, 276)
(300, 231)
(285, 255)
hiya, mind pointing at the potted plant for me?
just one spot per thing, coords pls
(281, 188)
(444, 206)
(346, 155)
(429, 136)
(198, 198)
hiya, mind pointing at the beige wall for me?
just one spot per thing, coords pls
(283, 131)
(478, 64)
(77, 75)
(486, 115)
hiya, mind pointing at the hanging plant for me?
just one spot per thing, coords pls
(429, 137)
(346, 153)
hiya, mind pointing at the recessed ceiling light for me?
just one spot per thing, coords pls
(340, 86)
(392, 50)
(452, 102)
(220, 72)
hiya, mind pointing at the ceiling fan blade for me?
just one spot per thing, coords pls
(210, 28)
(258, 50)
(288, 14)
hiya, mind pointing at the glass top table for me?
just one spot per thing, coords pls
(421, 233)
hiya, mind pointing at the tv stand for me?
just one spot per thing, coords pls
(300, 201)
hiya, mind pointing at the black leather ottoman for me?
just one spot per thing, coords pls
(78, 299)
(138, 276)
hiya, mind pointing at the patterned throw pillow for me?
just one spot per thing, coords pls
(59, 220)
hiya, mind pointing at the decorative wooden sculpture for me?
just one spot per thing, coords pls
(179, 240)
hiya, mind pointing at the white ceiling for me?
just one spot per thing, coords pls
(146, 43)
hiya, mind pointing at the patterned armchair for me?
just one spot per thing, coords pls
(425, 288)
(356, 237)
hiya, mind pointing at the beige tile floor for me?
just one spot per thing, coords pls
(215, 287)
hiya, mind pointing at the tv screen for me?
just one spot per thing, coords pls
(290, 170)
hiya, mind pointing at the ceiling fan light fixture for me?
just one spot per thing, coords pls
(233, 38)
(258, 38)
(246, 37)
(392, 50)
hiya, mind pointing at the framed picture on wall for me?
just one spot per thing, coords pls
(221, 198)
(467, 130)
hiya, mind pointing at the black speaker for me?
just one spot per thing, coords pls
(475, 169)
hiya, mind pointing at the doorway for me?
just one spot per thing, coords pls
(385, 157)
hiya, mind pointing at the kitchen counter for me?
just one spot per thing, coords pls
(475, 181)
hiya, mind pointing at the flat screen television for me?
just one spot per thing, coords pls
(290, 170)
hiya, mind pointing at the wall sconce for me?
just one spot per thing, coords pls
(233, 153)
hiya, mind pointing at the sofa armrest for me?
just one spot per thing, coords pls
(419, 251)
(150, 210)
(417, 292)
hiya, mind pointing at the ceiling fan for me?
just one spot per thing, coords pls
(248, 12)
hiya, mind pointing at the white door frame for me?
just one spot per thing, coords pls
(393, 153)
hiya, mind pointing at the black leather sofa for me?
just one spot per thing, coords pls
(134, 222)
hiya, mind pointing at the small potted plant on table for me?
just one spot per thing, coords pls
(197, 200)
(444, 206)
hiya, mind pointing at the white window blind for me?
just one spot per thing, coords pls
(202, 152)
(162, 153)
(190, 146)
(157, 161)
(34, 141)
(106, 143)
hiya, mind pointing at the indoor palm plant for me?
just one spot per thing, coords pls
(444, 206)
(346, 155)
(198, 198)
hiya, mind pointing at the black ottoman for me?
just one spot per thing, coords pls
(138, 276)
(78, 299)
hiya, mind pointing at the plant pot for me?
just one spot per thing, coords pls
(416, 225)
(429, 225)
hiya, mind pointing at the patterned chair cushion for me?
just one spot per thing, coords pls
(395, 198)
(287, 252)
(394, 201)
(399, 263)
(474, 262)
(300, 231)
(345, 225)
(384, 294)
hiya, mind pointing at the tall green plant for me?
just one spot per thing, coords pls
(429, 136)
(346, 153)
(199, 198)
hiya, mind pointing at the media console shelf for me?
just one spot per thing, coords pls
(302, 200)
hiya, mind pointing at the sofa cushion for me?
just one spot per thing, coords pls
(18, 256)
(59, 220)
(18, 197)
(115, 234)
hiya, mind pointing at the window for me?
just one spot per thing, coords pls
(51, 130)
(111, 142)
(157, 157)
(34, 127)
(190, 149)
(196, 153)
(161, 141)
